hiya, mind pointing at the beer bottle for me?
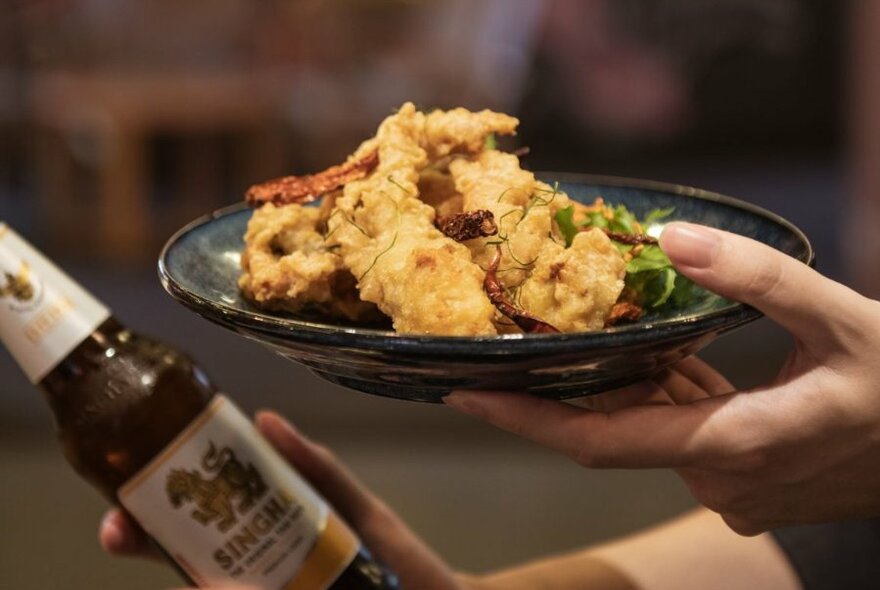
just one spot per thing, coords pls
(144, 425)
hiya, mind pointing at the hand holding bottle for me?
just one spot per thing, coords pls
(390, 540)
(143, 424)
(663, 555)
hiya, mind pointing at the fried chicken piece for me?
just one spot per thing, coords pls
(377, 233)
(499, 297)
(288, 266)
(572, 288)
(437, 189)
(460, 131)
(575, 288)
(523, 209)
(423, 280)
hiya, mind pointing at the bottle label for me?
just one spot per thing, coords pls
(228, 508)
(44, 314)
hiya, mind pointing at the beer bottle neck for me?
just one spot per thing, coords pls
(44, 314)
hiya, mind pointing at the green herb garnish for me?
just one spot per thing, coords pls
(393, 238)
(655, 287)
(656, 215)
(398, 185)
(649, 272)
(650, 258)
(565, 220)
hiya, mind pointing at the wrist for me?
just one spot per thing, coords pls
(472, 582)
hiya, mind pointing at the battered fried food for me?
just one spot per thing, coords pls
(501, 263)
(575, 288)
(437, 189)
(533, 251)
(494, 181)
(287, 266)
(425, 281)
(460, 131)
(500, 299)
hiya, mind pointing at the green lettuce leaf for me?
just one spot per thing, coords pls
(655, 280)
(650, 273)
(656, 215)
(596, 219)
(623, 220)
(651, 258)
(565, 221)
(654, 287)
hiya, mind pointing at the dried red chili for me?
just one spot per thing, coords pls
(311, 187)
(495, 291)
(623, 310)
(467, 225)
(631, 239)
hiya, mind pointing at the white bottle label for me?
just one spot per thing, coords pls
(228, 508)
(44, 315)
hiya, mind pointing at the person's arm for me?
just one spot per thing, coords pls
(863, 208)
(804, 448)
(693, 552)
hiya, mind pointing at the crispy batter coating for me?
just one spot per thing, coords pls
(571, 289)
(500, 299)
(575, 288)
(308, 188)
(423, 280)
(523, 209)
(287, 265)
(437, 189)
(461, 131)
(374, 240)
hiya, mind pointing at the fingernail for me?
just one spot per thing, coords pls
(109, 533)
(690, 245)
(465, 402)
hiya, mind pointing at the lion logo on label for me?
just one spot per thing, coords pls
(18, 286)
(233, 489)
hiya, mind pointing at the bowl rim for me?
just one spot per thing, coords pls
(299, 330)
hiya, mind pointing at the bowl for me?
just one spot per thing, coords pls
(199, 266)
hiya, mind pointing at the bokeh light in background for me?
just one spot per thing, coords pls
(120, 121)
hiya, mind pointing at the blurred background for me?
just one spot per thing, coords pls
(120, 121)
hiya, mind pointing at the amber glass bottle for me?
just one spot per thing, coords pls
(145, 426)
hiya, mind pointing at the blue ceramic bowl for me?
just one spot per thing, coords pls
(200, 266)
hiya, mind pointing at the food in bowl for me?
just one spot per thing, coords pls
(429, 224)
